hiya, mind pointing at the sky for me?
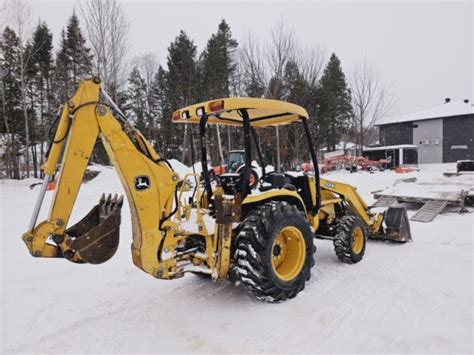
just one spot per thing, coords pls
(423, 50)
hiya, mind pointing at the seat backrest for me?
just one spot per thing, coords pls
(301, 182)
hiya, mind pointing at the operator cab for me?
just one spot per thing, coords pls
(249, 114)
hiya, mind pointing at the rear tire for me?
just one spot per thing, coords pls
(350, 239)
(253, 179)
(274, 252)
(253, 176)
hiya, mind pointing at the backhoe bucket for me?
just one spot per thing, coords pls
(397, 226)
(95, 238)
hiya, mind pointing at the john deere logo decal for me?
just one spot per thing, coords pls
(330, 185)
(142, 182)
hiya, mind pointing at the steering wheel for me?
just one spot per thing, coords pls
(233, 166)
(262, 178)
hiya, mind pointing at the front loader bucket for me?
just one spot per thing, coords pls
(397, 227)
(95, 238)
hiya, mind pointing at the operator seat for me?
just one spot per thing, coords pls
(301, 183)
(276, 180)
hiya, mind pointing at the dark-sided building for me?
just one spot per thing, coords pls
(443, 133)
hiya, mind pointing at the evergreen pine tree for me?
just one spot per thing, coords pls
(335, 109)
(77, 51)
(30, 103)
(219, 63)
(135, 106)
(12, 116)
(73, 59)
(218, 66)
(162, 111)
(298, 92)
(183, 86)
(63, 81)
(182, 71)
(296, 87)
(40, 77)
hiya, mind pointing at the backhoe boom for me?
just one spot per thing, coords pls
(148, 181)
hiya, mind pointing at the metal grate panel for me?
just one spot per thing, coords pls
(429, 211)
(385, 201)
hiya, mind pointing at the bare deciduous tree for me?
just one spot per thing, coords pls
(107, 29)
(281, 48)
(5, 13)
(311, 59)
(371, 99)
(148, 65)
(252, 66)
(263, 67)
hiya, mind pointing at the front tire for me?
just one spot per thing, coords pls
(274, 252)
(350, 239)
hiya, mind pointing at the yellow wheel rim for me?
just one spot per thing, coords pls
(288, 253)
(357, 240)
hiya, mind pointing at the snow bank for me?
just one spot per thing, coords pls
(180, 168)
(401, 298)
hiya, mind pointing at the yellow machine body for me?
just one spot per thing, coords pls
(160, 243)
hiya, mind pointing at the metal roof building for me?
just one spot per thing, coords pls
(443, 133)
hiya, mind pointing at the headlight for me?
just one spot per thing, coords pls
(185, 115)
(200, 111)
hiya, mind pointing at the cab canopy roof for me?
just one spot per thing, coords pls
(262, 112)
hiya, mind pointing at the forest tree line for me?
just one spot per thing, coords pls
(36, 78)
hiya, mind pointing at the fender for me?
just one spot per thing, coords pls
(251, 201)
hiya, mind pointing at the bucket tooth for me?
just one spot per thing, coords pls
(120, 201)
(96, 237)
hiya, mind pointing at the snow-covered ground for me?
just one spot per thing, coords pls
(414, 298)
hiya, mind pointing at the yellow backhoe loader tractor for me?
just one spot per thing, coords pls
(263, 237)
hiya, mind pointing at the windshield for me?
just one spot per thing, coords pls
(234, 161)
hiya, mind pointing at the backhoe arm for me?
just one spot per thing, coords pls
(148, 181)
